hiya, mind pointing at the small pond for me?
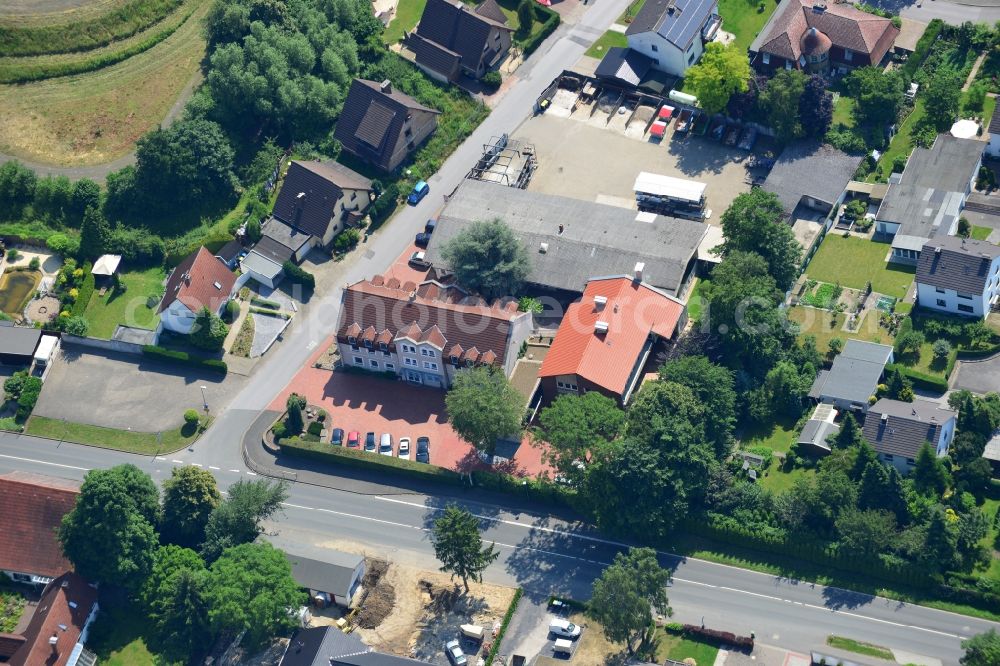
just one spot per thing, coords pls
(16, 287)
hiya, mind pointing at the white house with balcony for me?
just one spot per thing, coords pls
(673, 33)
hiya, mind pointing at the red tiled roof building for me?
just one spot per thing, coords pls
(202, 280)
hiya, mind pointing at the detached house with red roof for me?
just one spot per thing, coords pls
(202, 280)
(31, 508)
(606, 338)
(426, 333)
(820, 36)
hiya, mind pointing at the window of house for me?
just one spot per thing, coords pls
(888, 457)
(358, 360)
(848, 55)
(941, 303)
(353, 341)
(21, 578)
(384, 347)
(692, 57)
(939, 290)
(374, 363)
(469, 363)
(430, 365)
(409, 349)
(566, 386)
(765, 58)
(429, 353)
(390, 366)
(653, 46)
(411, 362)
(656, 61)
(788, 65)
(454, 360)
(911, 462)
(368, 344)
(964, 308)
(967, 297)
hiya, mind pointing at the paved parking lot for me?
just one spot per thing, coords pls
(374, 404)
(979, 376)
(123, 391)
(579, 160)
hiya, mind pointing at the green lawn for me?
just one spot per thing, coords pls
(981, 233)
(853, 262)
(408, 13)
(631, 12)
(741, 18)
(678, 648)
(843, 110)
(694, 300)
(133, 441)
(606, 41)
(778, 481)
(901, 144)
(118, 638)
(778, 436)
(859, 647)
(128, 307)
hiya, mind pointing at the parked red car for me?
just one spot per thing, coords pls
(353, 439)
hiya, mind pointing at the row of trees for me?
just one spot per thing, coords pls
(190, 559)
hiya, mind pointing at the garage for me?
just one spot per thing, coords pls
(18, 344)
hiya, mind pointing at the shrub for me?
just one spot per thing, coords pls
(346, 240)
(35, 263)
(13, 385)
(298, 275)
(76, 325)
(529, 304)
(385, 204)
(716, 637)
(941, 349)
(491, 80)
(191, 417)
(764, 452)
(184, 358)
(86, 281)
(264, 303)
(549, 20)
(13, 255)
(836, 345)
(232, 312)
(62, 244)
(315, 428)
(30, 390)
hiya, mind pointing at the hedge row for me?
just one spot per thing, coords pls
(270, 313)
(550, 21)
(21, 74)
(924, 381)
(922, 48)
(299, 275)
(339, 455)
(503, 626)
(801, 547)
(979, 353)
(264, 303)
(86, 292)
(184, 358)
(716, 637)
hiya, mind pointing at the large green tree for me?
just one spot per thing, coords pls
(878, 95)
(721, 72)
(85, 194)
(756, 222)
(189, 497)
(459, 547)
(238, 518)
(882, 489)
(780, 100)
(713, 385)
(250, 588)
(982, 649)
(865, 532)
(627, 593)
(943, 98)
(483, 407)
(172, 597)
(816, 107)
(488, 258)
(209, 331)
(110, 534)
(189, 163)
(95, 234)
(929, 474)
(574, 429)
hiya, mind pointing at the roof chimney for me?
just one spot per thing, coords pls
(543, 247)
(386, 87)
(885, 417)
(600, 302)
(937, 250)
(560, 229)
(601, 327)
(639, 267)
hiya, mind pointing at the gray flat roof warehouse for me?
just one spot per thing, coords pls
(581, 239)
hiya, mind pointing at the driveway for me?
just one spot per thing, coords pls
(371, 403)
(979, 376)
(125, 391)
(528, 632)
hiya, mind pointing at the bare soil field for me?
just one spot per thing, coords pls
(96, 117)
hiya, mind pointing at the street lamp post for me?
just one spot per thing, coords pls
(204, 399)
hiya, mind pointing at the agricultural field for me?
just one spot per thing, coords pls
(116, 92)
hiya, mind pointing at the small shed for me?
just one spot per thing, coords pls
(106, 265)
(264, 270)
(338, 575)
(18, 344)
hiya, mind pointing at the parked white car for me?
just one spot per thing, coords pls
(385, 444)
(563, 628)
(404, 448)
(455, 654)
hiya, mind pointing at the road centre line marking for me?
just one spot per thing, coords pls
(212, 467)
(179, 462)
(196, 464)
(45, 462)
(235, 470)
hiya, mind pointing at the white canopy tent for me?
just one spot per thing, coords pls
(106, 264)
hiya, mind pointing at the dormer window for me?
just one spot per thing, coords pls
(454, 361)
(368, 344)
(766, 57)
(353, 341)
(383, 346)
(469, 363)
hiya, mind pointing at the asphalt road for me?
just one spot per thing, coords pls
(548, 555)
(955, 13)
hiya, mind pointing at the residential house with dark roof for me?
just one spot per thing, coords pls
(454, 39)
(570, 240)
(383, 126)
(57, 628)
(811, 174)
(627, 67)
(329, 646)
(426, 333)
(335, 578)
(854, 377)
(958, 276)
(993, 147)
(927, 199)
(821, 36)
(201, 280)
(897, 430)
(31, 509)
(606, 338)
(673, 33)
